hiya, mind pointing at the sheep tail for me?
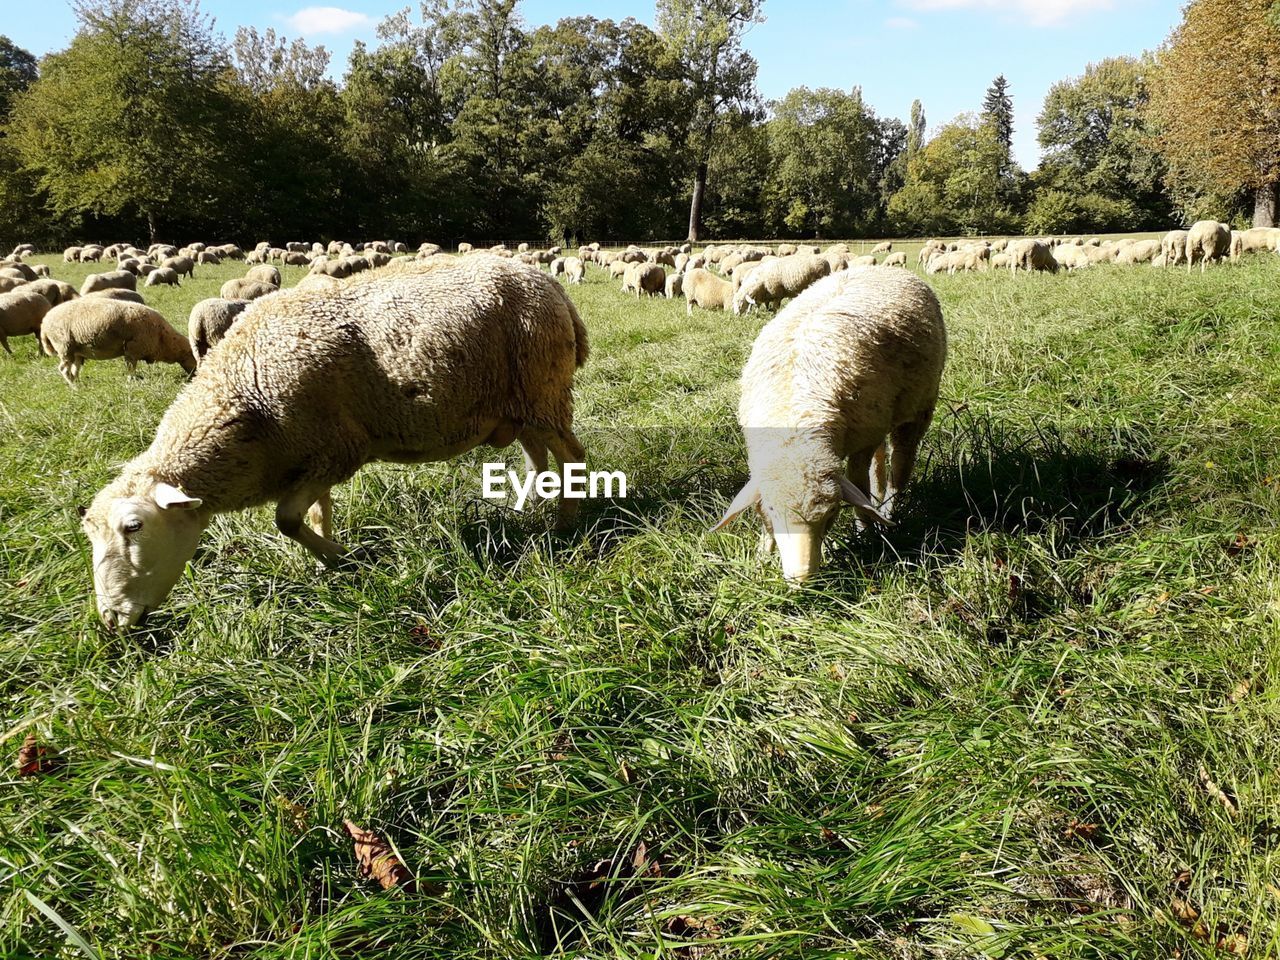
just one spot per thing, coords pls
(46, 347)
(579, 334)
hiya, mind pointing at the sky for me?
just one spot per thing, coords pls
(945, 52)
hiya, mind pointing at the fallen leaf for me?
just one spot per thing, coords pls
(1236, 944)
(35, 760)
(696, 929)
(1182, 879)
(1241, 690)
(624, 772)
(1215, 791)
(1084, 831)
(1239, 545)
(1183, 910)
(377, 859)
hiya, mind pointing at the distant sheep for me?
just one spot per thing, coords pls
(1257, 240)
(115, 279)
(898, 259)
(1207, 241)
(264, 273)
(162, 276)
(704, 289)
(1174, 247)
(675, 285)
(646, 278)
(245, 289)
(21, 313)
(575, 269)
(209, 322)
(1031, 256)
(774, 281)
(96, 328)
(886, 247)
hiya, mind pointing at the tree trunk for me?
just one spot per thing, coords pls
(151, 225)
(1264, 206)
(695, 206)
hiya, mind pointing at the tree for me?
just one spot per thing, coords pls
(954, 184)
(916, 129)
(706, 36)
(135, 117)
(997, 106)
(1097, 142)
(266, 61)
(17, 72)
(1216, 102)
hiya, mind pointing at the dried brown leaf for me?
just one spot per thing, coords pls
(1236, 944)
(377, 860)
(1082, 831)
(1183, 910)
(1239, 545)
(37, 760)
(1241, 690)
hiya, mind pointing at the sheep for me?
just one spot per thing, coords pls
(1073, 257)
(646, 278)
(1174, 247)
(162, 275)
(55, 291)
(428, 250)
(115, 279)
(209, 322)
(98, 328)
(885, 247)
(675, 286)
(898, 259)
(264, 273)
(8, 284)
(1031, 255)
(311, 386)
(294, 259)
(1158, 260)
(863, 261)
(91, 254)
(42, 270)
(786, 249)
(209, 257)
(115, 293)
(21, 313)
(13, 275)
(1209, 240)
(465, 248)
(19, 268)
(704, 289)
(847, 373)
(1001, 260)
(927, 252)
(775, 280)
(838, 259)
(184, 266)
(244, 289)
(1140, 252)
(557, 266)
(1257, 240)
(71, 255)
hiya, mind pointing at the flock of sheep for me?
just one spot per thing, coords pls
(380, 354)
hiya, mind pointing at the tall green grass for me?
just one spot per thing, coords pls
(984, 734)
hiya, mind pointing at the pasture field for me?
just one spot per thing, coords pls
(1038, 718)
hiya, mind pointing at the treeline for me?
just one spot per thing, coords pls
(464, 122)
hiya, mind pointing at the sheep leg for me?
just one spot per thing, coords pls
(132, 364)
(904, 445)
(860, 475)
(4, 342)
(320, 516)
(289, 514)
(535, 460)
(567, 449)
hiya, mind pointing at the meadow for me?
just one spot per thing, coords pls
(1040, 717)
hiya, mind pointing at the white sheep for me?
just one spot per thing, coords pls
(849, 370)
(674, 286)
(1174, 247)
(115, 279)
(162, 275)
(574, 269)
(100, 328)
(209, 322)
(885, 247)
(243, 288)
(1031, 255)
(313, 385)
(704, 289)
(898, 259)
(775, 280)
(21, 313)
(646, 278)
(1209, 241)
(1257, 240)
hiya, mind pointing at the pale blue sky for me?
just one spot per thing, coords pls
(945, 52)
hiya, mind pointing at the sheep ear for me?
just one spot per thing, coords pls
(167, 497)
(748, 496)
(862, 503)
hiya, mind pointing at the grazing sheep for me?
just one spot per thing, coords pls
(1174, 247)
(575, 269)
(162, 276)
(114, 280)
(209, 322)
(21, 313)
(1209, 241)
(115, 293)
(646, 278)
(465, 248)
(71, 255)
(11, 283)
(1257, 240)
(209, 257)
(838, 259)
(704, 289)
(898, 259)
(1158, 260)
(409, 368)
(246, 289)
(557, 266)
(98, 328)
(1073, 257)
(1031, 255)
(675, 285)
(848, 372)
(863, 261)
(886, 247)
(1140, 252)
(19, 268)
(91, 254)
(786, 249)
(1001, 260)
(775, 280)
(184, 266)
(294, 259)
(927, 252)
(264, 273)
(55, 291)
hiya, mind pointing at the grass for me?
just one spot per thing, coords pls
(986, 734)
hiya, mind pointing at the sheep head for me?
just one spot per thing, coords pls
(143, 533)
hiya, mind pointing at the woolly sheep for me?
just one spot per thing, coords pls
(848, 372)
(675, 286)
(209, 322)
(898, 259)
(1141, 252)
(8, 284)
(21, 269)
(557, 266)
(1031, 255)
(1072, 257)
(1158, 260)
(575, 269)
(162, 276)
(115, 293)
(411, 368)
(21, 313)
(98, 328)
(71, 255)
(930, 248)
(776, 280)
(264, 273)
(1257, 240)
(886, 247)
(114, 280)
(55, 291)
(465, 248)
(704, 289)
(1174, 247)
(863, 261)
(786, 249)
(1209, 241)
(184, 266)
(244, 289)
(209, 257)
(646, 278)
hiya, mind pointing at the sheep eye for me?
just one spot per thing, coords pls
(133, 526)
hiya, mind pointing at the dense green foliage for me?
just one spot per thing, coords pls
(987, 734)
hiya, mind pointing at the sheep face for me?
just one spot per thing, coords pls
(141, 544)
